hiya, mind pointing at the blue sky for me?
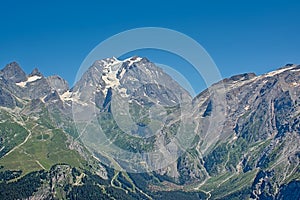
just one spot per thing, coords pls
(241, 36)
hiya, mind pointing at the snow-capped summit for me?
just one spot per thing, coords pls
(132, 60)
(134, 77)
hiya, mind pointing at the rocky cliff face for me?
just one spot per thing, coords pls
(260, 132)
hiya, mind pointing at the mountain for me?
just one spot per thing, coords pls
(238, 139)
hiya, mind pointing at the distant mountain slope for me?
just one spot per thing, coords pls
(247, 146)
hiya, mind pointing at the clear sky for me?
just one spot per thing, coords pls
(241, 36)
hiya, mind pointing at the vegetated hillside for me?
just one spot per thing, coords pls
(245, 144)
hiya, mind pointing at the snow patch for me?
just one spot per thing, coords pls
(270, 74)
(29, 80)
(247, 107)
(112, 68)
(108, 61)
(43, 98)
(67, 96)
(295, 70)
(122, 73)
(73, 97)
(133, 60)
(110, 76)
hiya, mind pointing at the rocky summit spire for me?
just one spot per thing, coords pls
(36, 72)
(13, 72)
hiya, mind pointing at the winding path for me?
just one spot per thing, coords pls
(16, 147)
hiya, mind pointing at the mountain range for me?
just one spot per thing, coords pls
(238, 139)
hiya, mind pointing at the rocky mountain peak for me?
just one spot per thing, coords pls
(13, 72)
(36, 72)
(58, 84)
(136, 77)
